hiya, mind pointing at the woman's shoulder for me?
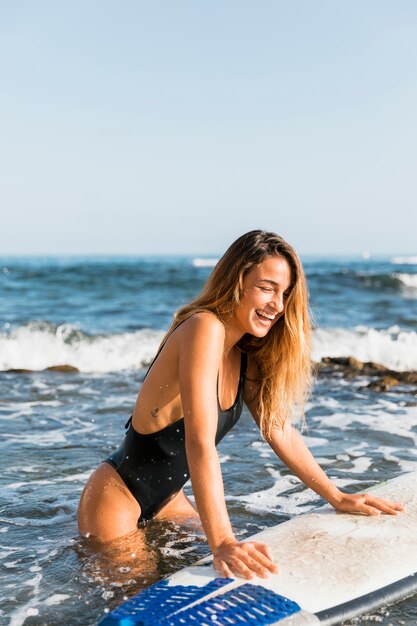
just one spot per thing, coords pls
(202, 323)
(200, 338)
(203, 328)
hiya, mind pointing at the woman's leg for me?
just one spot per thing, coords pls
(107, 510)
(180, 510)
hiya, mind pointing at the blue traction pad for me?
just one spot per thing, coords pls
(161, 603)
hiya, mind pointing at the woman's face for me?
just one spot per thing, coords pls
(265, 289)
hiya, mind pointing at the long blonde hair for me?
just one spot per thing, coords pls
(282, 358)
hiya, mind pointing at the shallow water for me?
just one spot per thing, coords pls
(55, 427)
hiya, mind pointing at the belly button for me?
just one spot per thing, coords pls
(155, 412)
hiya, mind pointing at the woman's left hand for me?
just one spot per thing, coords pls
(366, 504)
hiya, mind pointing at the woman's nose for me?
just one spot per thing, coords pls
(278, 303)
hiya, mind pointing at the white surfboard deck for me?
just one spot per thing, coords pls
(333, 566)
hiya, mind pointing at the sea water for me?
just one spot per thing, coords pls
(105, 317)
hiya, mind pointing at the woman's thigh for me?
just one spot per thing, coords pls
(180, 509)
(107, 510)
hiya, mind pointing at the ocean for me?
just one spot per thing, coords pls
(76, 336)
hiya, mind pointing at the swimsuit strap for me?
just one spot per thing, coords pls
(242, 366)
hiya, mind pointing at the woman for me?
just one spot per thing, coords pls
(245, 338)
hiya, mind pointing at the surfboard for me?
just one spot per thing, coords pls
(333, 567)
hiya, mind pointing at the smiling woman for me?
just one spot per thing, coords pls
(245, 338)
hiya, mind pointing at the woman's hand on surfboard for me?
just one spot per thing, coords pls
(244, 559)
(366, 504)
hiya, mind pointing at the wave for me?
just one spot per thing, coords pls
(393, 348)
(362, 279)
(409, 280)
(39, 345)
(376, 280)
(404, 260)
(199, 262)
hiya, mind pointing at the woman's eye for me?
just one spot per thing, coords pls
(265, 288)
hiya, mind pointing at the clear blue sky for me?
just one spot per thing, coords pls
(175, 126)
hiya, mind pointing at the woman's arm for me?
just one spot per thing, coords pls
(289, 446)
(200, 354)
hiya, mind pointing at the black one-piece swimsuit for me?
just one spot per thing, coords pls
(154, 466)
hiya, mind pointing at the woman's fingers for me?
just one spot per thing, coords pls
(392, 508)
(245, 560)
(224, 570)
(263, 554)
(370, 510)
(264, 549)
(369, 505)
(232, 566)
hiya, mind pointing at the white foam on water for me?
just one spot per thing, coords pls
(264, 450)
(61, 479)
(358, 449)
(340, 420)
(56, 598)
(19, 616)
(385, 417)
(360, 465)
(276, 499)
(394, 348)
(6, 551)
(404, 260)
(200, 262)
(46, 438)
(392, 454)
(37, 346)
(409, 280)
(28, 469)
(313, 442)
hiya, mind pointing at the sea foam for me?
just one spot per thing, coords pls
(199, 262)
(404, 260)
(394, 348)
(38, 346)
(409, 280)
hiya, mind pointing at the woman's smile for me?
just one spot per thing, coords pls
(265, 289)
(264, 316)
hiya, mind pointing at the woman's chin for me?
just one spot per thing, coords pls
(259, 331)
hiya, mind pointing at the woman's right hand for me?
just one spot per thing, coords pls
(244, 559)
